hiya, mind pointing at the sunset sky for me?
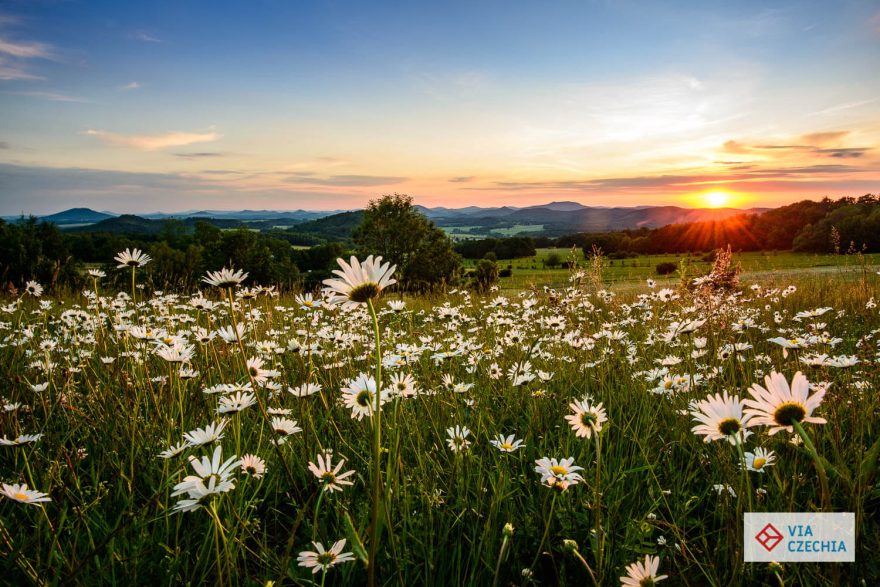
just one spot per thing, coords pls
(269, 104)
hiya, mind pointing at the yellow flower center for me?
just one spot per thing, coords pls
(363, 398)
(21, 496)
(326, 558)
(506, 446)
(789, 412)
(588, 418)
(559, 470)
(364, 292)
(759, 463)
(729, 426)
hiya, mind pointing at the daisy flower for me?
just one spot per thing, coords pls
(508, 444)
(721, 418)
(225, 278)
(22, 494)
(177, 353)
(253, 466)
(759, 460)
(131, 258)
(322, 560)
(285, 426)
(397, 305)
(402, 385)
(360, 396)
(33, 288)
(20, 439)
(174, 450)
(778, 405)
(329, 475)
(255, 369)
(304, 390)
(640, 574)
(586, 418)
(457, 440)
(206, 468)
(210, 433)
(359, 282)
(236, 403)
(230, 335)
(558, 474)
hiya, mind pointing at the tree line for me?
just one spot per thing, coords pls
(425, 256)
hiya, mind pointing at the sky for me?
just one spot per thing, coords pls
(271, 104)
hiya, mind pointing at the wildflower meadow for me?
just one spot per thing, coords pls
(232, 435)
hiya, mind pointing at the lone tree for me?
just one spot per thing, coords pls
(423, 253)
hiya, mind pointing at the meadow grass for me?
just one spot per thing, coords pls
(533, 271)
(85, 371)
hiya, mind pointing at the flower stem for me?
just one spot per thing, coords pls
(546, 531)
(820, 469)
(501, 552)
(377, 452)
(133, 298)
(746, 485)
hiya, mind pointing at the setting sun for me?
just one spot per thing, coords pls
(716, 199)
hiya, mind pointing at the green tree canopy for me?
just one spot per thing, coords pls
(394, 229)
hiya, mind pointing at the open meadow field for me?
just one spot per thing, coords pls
(530, 271)
(545, 437)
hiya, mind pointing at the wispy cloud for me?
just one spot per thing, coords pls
(130, 86)
(461, 179)
(51, 96)
(680, 182)
(3, 145)
(26, 50)
(307, 179)
(848, 153)
(819, 144)
(15, 54)
(840, 107)
(15, 71)
(145, 37)
(200, 155)
(154, 142)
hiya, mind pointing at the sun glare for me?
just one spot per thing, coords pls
(716, 199)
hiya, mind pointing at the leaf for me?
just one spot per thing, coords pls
(357, 547)
(869, 465)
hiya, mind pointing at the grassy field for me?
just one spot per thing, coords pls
(121, 396)
(533, 270)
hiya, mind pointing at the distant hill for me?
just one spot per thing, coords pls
(338, 227)
(76, 216)
(131, 224)
(551, 219)
(560, 218)
(296, 216)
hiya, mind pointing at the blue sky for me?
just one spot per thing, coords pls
(137, 107)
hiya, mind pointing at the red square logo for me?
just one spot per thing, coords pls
(769, 537)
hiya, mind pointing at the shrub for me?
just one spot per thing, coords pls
(666, 268)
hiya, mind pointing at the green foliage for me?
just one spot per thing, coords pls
(35, 250)
(485, 275)
(423, 253)
(553, 260)
(504, 248)
(666, 268)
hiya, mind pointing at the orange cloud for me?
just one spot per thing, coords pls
(154, 142)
